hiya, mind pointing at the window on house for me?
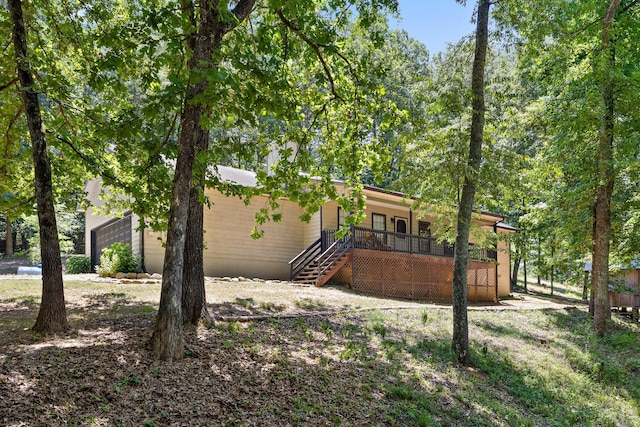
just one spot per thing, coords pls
(341, 216)
(379, 222)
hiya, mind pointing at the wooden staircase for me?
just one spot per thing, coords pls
(320, 269)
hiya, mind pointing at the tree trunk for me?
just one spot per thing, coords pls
(539, 261)
(606, 177)
(525, 276)
(552, 266)
(167, 341)
(8, 249)
(460, 341)
(52, 315)
(516, 267)
(194, 301)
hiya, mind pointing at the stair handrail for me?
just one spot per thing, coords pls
(300, 261)
(342, 248)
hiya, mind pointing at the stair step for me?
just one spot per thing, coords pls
(311, 273)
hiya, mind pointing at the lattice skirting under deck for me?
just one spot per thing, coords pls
(418, 277)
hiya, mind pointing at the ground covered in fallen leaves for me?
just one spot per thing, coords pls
(314, 367)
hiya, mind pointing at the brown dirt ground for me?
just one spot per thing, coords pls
(101, 373)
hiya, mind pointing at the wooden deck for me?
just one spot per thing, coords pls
(394, 265)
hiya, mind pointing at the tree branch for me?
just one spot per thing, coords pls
(8, 85)
(155, 156)
(599, 19)
(243, 9)
(14, 208)
(315, 48)
(8, 137)
(102, 170)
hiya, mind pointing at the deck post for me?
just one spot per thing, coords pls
(353, 254)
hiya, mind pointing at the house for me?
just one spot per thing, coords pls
(392, 252)
(623, 285)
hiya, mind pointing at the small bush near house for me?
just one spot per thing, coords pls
(79, 265)
(117, 258)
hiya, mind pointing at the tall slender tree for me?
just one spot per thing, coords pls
(460, 340)
(606, 176)
(52, 315)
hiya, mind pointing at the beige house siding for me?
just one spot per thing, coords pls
(330, 216)
(136, 246)
(312, 230)
(154, 251)
(230, 250)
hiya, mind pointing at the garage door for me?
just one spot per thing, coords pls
(118, 230)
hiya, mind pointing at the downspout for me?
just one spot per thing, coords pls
(322, 245)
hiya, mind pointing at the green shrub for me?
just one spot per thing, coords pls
(117, 258)
(79, 265)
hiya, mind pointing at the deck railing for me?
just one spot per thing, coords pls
(366, 238)
(297, 264)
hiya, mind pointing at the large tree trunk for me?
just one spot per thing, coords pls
(460, 341)
(8, 249)
(167, 341)
(516, 268)
(194, 301)
(52, 315)
(606, 177)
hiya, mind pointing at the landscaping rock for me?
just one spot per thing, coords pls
(120, 275)
(235, 279)
(132, 275)
(156, 276)
(143, 276)
(226, 279)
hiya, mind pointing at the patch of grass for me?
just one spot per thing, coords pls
(245, 302)
(271, 306)
(416, 404)
(310, 304)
